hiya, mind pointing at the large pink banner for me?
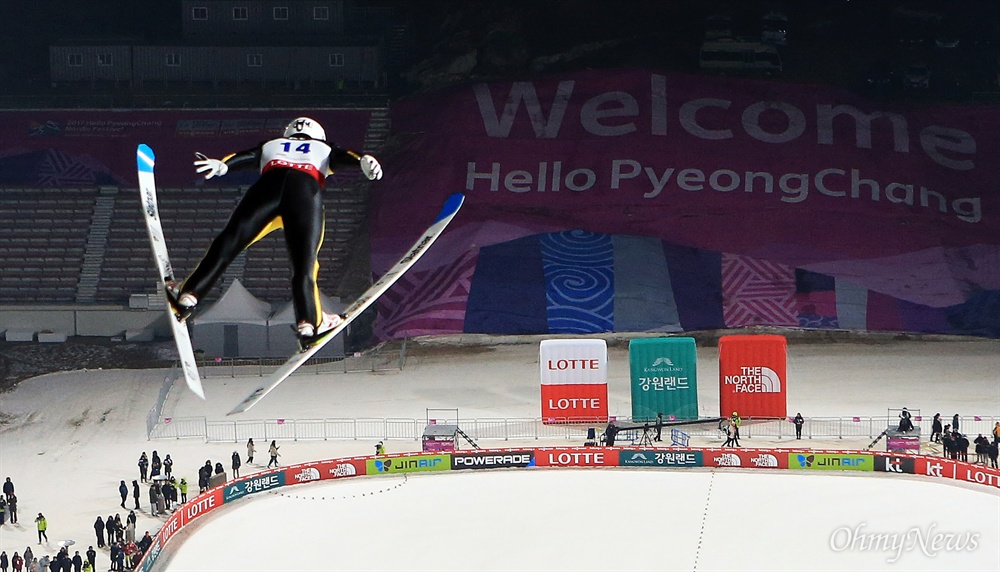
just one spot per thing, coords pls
(896, 202)
(801, 173)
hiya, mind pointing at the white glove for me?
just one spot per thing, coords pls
(211, 167)
(370, 167)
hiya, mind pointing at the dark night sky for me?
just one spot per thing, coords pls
(28, 27)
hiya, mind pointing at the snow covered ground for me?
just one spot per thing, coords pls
(70, 437)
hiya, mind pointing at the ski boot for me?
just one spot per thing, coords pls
(308, 334)
(182, 305)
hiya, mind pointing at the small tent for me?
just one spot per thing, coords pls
(235, 326)
(281, 338)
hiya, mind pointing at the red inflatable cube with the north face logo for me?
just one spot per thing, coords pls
(752, 375)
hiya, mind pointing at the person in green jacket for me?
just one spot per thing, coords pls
(43, 525)
(737, 421)
(183, 487)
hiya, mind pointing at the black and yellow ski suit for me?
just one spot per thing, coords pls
(288, 195)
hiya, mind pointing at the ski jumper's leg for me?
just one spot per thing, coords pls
(305, 220)
(254, 216)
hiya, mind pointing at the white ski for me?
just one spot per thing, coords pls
(366, 299)
(145, 159)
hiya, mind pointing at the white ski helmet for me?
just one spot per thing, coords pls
(305, 126)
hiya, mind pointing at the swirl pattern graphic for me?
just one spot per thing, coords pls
(579, 281)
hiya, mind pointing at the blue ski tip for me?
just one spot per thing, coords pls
(145, 158)
(451, 206)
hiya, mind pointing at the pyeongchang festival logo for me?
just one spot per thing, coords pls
(755, 379)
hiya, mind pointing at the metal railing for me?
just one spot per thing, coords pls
(376, 360)
(505, 429)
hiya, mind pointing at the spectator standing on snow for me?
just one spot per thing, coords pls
(12, 508)
(152, 499)
(996, 432)
(143, 466)
(168, 465)
(205, 476)
(905, 421)
(155, 465)
(92, 557)
(16, 562)
(77, 562)
(145, 542)
(799, 422)
(992, 453)
(659, 427)
(130, 530)
(161, 507)
(236, 465)
(29, 559)
(115, 549)
(936, 429)
(170, 493)
(8, 488)
(41, 525)
(954, 423)
(250, 450)
(109, 526)
(729, 434)
(4, 563)
(119, 528)
(737, 421)
(135, 493)
(183, 486)
(273, 451)
(3, 511)
(962, 443)
(123, 491)
(99, 531)
(130, 551)
(982, 448)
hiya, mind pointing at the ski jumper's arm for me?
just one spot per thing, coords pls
(244, 159)
(347, 158)
(217, 168)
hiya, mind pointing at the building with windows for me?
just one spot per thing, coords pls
(288, 44)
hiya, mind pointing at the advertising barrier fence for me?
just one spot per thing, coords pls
(504, 429)
(794, 459)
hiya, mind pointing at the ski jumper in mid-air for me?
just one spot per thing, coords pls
(288, 195)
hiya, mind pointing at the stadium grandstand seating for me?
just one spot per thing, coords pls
(43, 239)
(51, 240)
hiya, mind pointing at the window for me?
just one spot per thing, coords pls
(281, 12)
(199, 13)
(173, 59)
(321, 13)
(74, 60)
(254, 60)
(240, 13)
(336, 60)
(105, 59)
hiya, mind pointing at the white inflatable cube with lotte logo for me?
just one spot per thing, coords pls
(574, 376)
